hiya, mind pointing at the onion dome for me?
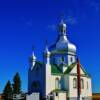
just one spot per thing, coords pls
(71, 48)
(63, 43)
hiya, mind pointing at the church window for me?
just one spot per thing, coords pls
(62, 59)
(87, 85)
(51, 98)
(71, 59)
(74, 83)
(82, 83)
(57, 83)
(56, 94)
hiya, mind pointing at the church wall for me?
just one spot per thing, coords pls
(72, 91)
(74, 70)
(90, 87)
(36, 76)
(53, 81)
(50, 79)
(42, 79)
(60, 96)
(66, 81)
(85, 92)
(29, 78)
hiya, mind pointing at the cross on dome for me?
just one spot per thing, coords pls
(62, 27)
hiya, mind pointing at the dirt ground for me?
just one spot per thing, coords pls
(96, 96)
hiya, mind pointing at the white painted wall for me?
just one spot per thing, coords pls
(72, 91)
(84, 92)
(61, 96)
(50, 79)
(33, 96)
(74, 70)
(89, 87)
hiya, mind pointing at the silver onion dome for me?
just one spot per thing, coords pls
(63, 43)
(66, 45)
(71, 48)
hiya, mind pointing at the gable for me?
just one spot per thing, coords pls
(72, 69)
(37, 65)
(69, 68)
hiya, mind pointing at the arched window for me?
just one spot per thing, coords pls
(82, 83)
(57, 83)
(71, 59)
(87, 85)
(74, 83)
(62, 59)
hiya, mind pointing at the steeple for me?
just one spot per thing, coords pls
(33, 60)
(47, 53)
(33, 56)
(46, 49)
(62, 28)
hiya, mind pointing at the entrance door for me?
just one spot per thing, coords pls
(51, 98)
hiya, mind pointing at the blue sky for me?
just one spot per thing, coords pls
(24, 23)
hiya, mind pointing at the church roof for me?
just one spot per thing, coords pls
(37, 65)
(70, 68)
(59, 90)
(55, 70)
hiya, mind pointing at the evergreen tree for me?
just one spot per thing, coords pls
(7, 90)
(16, 84)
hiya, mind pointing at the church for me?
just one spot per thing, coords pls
(60, 76)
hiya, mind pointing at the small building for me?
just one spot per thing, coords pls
(33, 96)
(60, 76)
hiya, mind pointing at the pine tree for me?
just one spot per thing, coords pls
(16, 84)
(7, 90)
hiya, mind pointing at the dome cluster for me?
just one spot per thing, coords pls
(63, 43)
